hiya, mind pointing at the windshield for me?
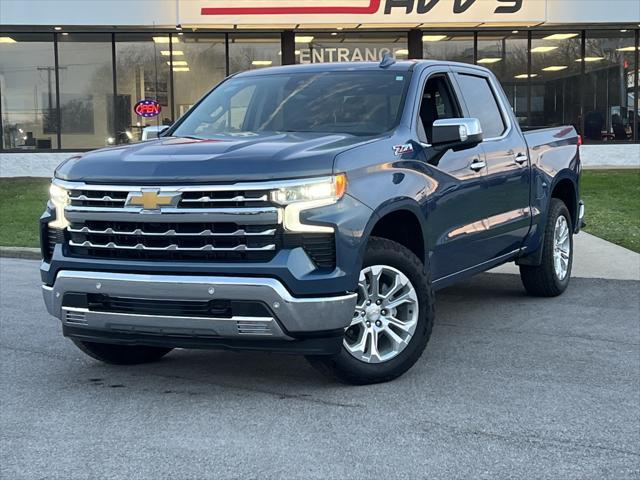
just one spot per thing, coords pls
(356, 103)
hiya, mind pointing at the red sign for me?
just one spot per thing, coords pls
(147, 108)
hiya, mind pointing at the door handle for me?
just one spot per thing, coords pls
(521, 158)
(477, 165)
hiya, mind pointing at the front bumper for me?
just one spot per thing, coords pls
(289, 321)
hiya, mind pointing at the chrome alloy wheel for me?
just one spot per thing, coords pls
(386, 315)
(561, 247)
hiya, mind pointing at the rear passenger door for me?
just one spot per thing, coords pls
(506, 200)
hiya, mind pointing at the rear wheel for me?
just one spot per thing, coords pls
(392, 321)
(121, 354)
(551, 277)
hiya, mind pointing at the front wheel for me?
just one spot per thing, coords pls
(392, 321)
(551, 277)
(121, 354)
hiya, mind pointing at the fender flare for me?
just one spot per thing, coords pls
(391, 206)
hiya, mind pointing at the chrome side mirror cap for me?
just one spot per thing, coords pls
(457, 133)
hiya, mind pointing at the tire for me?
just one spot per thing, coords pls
(543, 280)
(122, 354)
(387, 258)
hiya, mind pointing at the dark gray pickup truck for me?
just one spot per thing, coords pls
(310, 209)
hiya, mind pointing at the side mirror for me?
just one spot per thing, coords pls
(456, 133)
(153, 132)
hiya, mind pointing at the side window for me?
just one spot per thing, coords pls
(482, 104)
(438, 102)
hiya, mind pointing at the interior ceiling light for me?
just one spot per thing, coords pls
(166, 39)
(7, 40)
(524, 75)
(542, 49)
(561, 36)
(57, 29)
(177, 63)
(555, 68)
(402, 51)
(304, 38)
(433, 38)
(489, 60)
(627, 49)
(180, 69)
(590, 59)
(261, 62)
(176, 53)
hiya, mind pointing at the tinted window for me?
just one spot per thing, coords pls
(482, 104)
(357, 103)
(437, 103)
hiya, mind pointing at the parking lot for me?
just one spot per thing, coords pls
(509, 387)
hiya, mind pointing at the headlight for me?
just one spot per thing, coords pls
(59, 198)
(308, 194)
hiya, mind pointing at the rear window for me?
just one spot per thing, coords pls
(482, 104)
(357, 103)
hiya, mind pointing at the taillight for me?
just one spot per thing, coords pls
(579, 140)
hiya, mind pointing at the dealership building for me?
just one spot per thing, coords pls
(72, 72)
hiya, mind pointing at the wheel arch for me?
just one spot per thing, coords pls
(401, 221)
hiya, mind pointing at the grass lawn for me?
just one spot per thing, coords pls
(612, 200)
(22, 201)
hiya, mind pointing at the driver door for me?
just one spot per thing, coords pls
(456, 210)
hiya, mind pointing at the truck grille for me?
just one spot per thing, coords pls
(174, 241)
(214, 223)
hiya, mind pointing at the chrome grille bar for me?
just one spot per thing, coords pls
(238, 198)
(105, 198)
(173, 233)
(173, 247)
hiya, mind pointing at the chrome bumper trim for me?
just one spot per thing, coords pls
(294, 315)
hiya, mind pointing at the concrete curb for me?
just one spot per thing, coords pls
(21, 252)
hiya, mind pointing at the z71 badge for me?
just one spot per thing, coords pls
(402, 149)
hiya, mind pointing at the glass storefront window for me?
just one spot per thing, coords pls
(86, 90)
(505, 54)
(556, 78)
(199, 64)
(349, 47)
(609, 88)
(142, 72)
(27, 91)
(249, 52)
(454, 47)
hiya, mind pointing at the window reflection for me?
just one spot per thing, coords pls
(27, 91)
(86, 90)
(556, 78)
(249, 52)
(505, 54)
(609, 64)
(142, 72)
(454, 47)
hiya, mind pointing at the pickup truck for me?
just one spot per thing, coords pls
(309, 209)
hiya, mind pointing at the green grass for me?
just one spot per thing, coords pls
(22, 201)
(612, 199)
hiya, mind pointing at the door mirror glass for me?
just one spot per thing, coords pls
(456, 133)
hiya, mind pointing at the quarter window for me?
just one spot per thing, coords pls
(482, 104)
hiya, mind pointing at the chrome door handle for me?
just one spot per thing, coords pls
(521, 158)
(477, 165)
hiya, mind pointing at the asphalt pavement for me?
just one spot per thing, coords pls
(509, 387)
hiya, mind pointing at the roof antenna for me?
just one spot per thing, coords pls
(387, 61)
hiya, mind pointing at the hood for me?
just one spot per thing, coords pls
(221, 159)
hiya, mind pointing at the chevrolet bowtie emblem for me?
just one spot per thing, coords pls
(152, 199)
